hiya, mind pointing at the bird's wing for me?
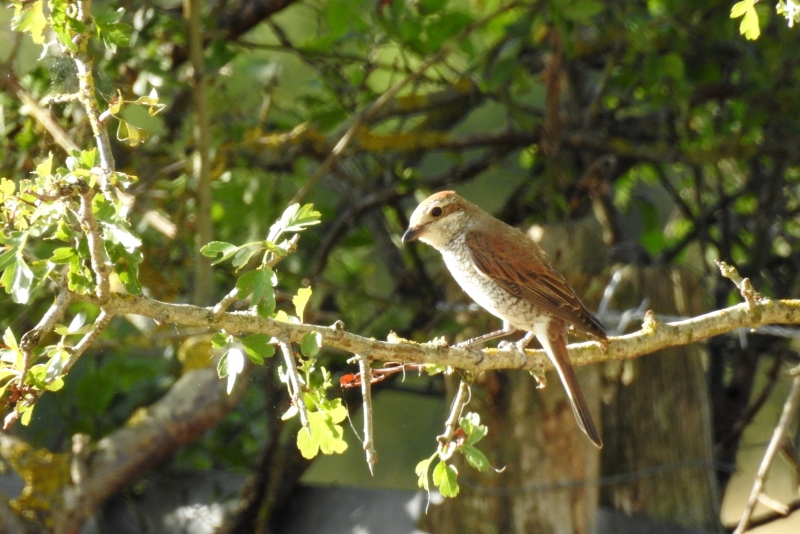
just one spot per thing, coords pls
(516, 267)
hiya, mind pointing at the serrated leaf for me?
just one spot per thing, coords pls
(445, 477)
(259, 283)
(300, 300)
(310, 344)
(258, 348)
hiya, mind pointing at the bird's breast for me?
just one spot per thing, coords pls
(488, 294)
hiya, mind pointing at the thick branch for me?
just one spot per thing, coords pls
(654, 336)
(196, 402)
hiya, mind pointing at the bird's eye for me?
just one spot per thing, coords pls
(436, 212)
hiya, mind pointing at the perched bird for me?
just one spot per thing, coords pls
(507, 274)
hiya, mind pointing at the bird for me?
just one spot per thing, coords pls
(509, 275)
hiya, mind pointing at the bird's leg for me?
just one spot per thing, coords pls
(507, 330)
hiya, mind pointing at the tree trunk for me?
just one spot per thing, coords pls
(657, 424)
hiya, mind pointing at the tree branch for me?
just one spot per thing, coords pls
(652, 337)
(196, 402)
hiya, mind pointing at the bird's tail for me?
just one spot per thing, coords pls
(555, 344)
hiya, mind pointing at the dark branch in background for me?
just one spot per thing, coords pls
(201, 174)
(238, 19)
(197, 402)
(41, 114)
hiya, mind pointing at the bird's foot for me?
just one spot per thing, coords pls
(515, 347)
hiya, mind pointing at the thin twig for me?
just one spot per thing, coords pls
(750, 295)
(461, 400)
(41, 114)
(365, 369)
(94, 238)
(778, 437)
(32, 338)
(295, 382)
(88, 338)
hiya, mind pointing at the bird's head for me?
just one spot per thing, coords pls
(438, 219)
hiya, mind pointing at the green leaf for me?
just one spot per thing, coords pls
(294, 219)
(421, 471)
(219, 247)
(9, 340)
(749, 26)
(740, 8)
(27, 412)
(62, 255)
(112, 32)
(222, 366)
(102, 209)
(244, 253)
(322, 435)
(259, 282)
(258, 348)
(30, 19)
(18, 279)
(471, 424)
(445, 477)
(45, 168)
(300, 300)
(130, 133)
(219, 340)
(310, 344)
(475, 457)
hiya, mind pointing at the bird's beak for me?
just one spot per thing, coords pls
(412, 234)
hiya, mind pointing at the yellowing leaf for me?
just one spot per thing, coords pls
(300, 300)
(30, 19)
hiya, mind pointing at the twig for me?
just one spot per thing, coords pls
(295, 382)
(366, 393)
(461, 400)
(31, 338)
(778, 436)
(95, 240)
(75, 352)
(41, 114)
(750, 295)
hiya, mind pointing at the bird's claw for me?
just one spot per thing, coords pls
(515, 347)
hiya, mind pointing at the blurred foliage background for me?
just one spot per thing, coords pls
(509, 103)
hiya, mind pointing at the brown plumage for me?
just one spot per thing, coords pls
(509, 275)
